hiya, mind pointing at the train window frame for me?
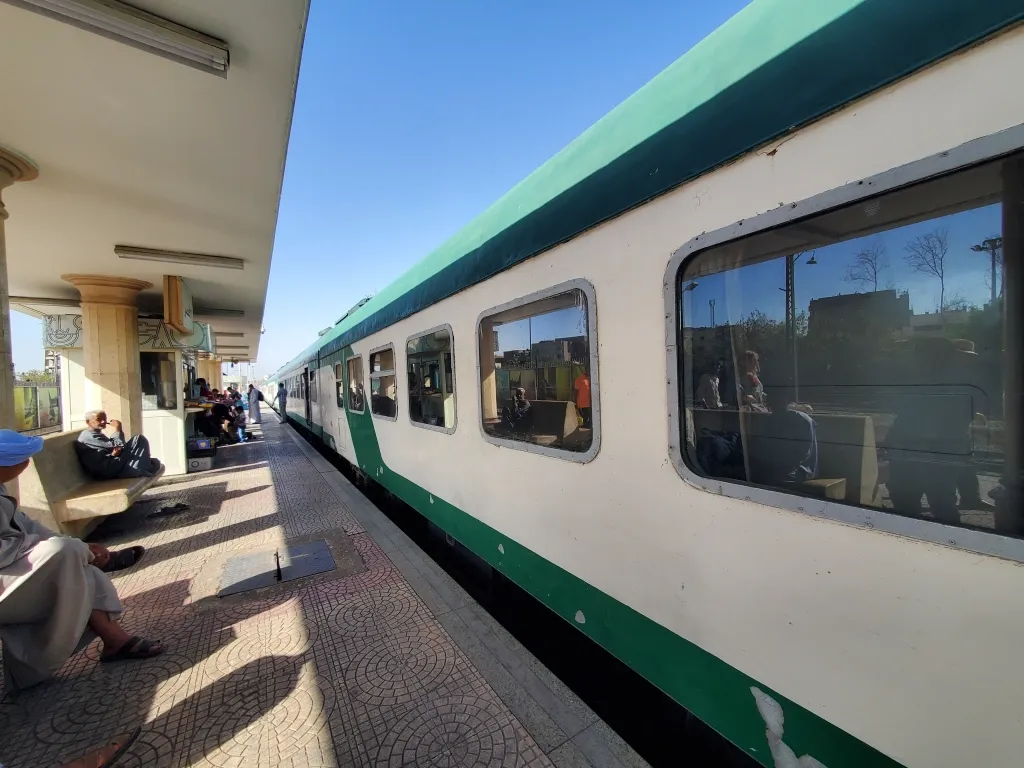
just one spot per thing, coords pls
(962, 158)
(393, 372)
(454, 382)
(339, 384)
(582, 457)
(348, 384)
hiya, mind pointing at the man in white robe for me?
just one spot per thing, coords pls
(255, 416)
(53, 600)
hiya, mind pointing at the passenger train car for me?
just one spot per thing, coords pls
(733, 383)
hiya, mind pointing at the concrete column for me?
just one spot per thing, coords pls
(110, 345)
(13, 167)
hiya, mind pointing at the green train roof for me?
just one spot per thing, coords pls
(774, 66)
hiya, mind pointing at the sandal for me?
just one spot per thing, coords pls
(124, 558)
(126, 742)
(93, 759)
(134, 650)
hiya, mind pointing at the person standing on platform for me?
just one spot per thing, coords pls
(282, 402)
(255, 417)
(581, 388)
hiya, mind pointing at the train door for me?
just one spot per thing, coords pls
(310, 384)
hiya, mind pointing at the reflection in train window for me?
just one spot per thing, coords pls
(431, 379)
(859, 357)
(356, 393)
(535, 368)
(383, 383)
(339, 383)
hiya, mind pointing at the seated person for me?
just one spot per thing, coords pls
(53, 599)
(516, 418)
(105, 458)
(786, 451)
(239, 422)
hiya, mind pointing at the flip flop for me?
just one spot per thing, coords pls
(124, 558)
(126, 744)
(135, 649)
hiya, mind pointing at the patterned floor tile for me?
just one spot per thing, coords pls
(341, 670)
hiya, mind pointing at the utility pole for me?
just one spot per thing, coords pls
(711, 306)
(991, 246)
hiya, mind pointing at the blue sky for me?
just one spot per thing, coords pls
(413, 117)
(757, 286)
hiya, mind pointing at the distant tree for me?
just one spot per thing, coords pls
(957, 303)
(35, 377)
(927, 254)
(867, 265)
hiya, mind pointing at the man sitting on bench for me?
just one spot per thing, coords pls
(105, 458)
(53, 598)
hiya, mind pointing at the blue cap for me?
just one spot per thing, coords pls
(16, 447)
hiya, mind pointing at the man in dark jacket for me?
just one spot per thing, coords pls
(106, 457)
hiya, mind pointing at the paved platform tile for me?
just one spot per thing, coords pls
(347, 668)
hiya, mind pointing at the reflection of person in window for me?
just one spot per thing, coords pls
(708, 390)
(748, 383)
(790, 453)
(581, 389)
(516, 417)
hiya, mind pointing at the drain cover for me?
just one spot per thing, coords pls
(265, 569)
(245, 572)
(305, 560)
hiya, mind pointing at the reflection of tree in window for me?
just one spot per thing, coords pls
(902, 379)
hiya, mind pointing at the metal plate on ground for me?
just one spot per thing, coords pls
(245, 572)
(305, 560)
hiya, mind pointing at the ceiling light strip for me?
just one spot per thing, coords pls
(132, 253)
(137, 28)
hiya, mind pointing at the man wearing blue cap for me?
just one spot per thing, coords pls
(53, 600)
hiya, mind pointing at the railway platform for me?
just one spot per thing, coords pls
(381, 661)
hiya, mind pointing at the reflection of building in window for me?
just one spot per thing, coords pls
(871, 399)
(532, 359)
(356, 397)
(383, 383)
(431, 379)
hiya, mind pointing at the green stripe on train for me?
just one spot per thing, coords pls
(702, 683)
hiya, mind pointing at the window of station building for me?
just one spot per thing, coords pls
(159, 381)
(430, 371)
(339, 384)
(356, 393)
(862, 356)
(538, 370)
(383, 383)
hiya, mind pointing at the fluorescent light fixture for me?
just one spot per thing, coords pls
(225, 334)
(45, 301)
(178, 257)
(211, 312)
(125, 24)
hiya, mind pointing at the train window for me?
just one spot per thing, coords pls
(383, 383)
(861, 356)
(339, 383)
(356, 393)
(538, 373)
(431, 376)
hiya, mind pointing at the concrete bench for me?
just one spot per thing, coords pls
(56, 491)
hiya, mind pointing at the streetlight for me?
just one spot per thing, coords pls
(990, 246)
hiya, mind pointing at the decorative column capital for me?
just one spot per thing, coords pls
(105, 289)
(14, 166)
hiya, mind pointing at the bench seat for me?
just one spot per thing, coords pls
(56, 491)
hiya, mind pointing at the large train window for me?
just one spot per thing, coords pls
(861, 358)
(383, 383)
(431, 374)
(339, 383)
(538, 373)
(356, 393)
